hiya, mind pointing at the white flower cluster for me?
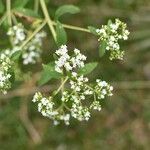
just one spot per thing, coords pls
(79, 93)
(78, 96)
(5, 65)
(17, 33)
(67, 62)
(46, 107)
(79, 112)
(95, 105)
(77, 83)
(103, 89)
(75, 102)
(31, 52)
(111, 34)
(10, 52)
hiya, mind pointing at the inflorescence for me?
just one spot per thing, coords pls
(80, 99)
(111, 34)
(32, 50)
(5, 66)
(65, 61)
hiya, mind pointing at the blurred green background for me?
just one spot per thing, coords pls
(124, 122)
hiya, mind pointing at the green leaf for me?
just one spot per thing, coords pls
(16, 55)
(61, 34)
(19, 3)
(27, 12)
(55, 56)
(92, 30)
(12, 78)
(66, 9)
(109, 22)
(88, 68)
(102, 48)
(48, 73)
(1, 7)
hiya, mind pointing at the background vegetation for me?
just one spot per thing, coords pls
(124, 122)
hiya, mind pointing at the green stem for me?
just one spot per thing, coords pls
(8, 5)
(94, 96)
(33, 34)
(3, 18)
(61, 86)
(36, 5)
(62, 89)
(48, 19)
(73, 27)
(89, 87)
(14, 19)
(52, 29)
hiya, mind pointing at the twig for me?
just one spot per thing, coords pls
(27, 123)
(73, 27)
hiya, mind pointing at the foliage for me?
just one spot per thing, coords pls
(68, 65)
(73, 136)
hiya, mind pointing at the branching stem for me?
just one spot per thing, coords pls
(33, 34)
